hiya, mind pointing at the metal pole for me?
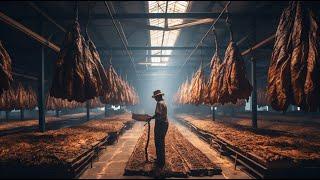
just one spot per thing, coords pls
(88, 110)
(57, 113)
(42, 120)
(7, 115)
(254, 84)
(213, 113)
(21, 114)
(105, 110)
(254, 93)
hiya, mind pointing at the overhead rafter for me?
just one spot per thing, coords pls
(151, 48)
(190, 24)
(189, 15)
(6, 19)
(159, 55)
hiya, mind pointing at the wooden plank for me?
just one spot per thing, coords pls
(190, 24)
(6, 19)
(258, 45)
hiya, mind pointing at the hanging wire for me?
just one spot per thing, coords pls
(89, 18)
(215, 39)
(201, 57)
(122, 40)
(205, 35)
(76, 10)
(110, 59)
(228, 21)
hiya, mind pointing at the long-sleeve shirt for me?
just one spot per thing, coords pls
(161, 112)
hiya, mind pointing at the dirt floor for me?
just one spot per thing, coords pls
(278, 137)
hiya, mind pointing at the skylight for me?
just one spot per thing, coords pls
(169, 37)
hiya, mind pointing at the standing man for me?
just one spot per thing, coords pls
(160, 129)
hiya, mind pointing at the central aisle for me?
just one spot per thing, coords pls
(112, 161)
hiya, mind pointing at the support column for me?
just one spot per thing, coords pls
(57, 113)
(213, 113)
(88, 110)
(105, 110)
(254, 94)
(254, 81)
(7, 115)
(42, 120)
(21, 114)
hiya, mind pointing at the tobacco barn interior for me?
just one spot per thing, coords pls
(159, 89)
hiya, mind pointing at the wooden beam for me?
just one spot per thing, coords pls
(192, 23)
(259, 45)
(6, 19)
(139, 25)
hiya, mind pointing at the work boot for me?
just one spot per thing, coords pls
(159, 172)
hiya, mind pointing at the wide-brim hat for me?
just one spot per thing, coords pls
(157, 93)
